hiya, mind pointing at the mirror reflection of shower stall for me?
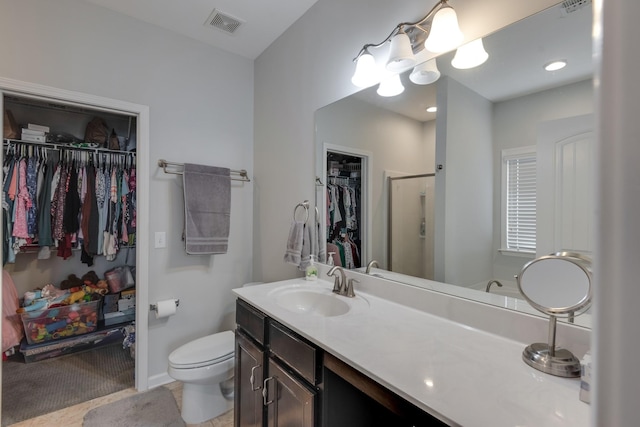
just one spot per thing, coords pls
(411, 225)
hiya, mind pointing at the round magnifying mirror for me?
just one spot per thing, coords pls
(558, 285)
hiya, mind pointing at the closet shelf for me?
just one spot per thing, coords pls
(34, 249)
(59, 146)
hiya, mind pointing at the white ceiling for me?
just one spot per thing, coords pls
(264, 21)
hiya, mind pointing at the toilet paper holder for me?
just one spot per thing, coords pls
(154, 307)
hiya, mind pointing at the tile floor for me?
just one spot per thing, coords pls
(72, 416)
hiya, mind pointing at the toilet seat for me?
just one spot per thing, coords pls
(204, 351)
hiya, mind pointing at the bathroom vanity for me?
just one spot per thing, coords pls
(304, 383)
(322, 359)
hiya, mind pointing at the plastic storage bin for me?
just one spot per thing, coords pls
(60, 322)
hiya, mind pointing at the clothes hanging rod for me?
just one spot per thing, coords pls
(165, 164)
(57, 146)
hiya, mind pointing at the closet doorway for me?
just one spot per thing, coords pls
(10, 88)
(346, 205)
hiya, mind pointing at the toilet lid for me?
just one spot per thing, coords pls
(203, 351)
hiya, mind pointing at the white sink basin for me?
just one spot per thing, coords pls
(314, 300)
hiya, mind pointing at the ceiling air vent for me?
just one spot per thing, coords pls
(573, 5)
(223, 22)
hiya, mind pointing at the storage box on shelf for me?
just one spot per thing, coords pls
(60, 322)
(89, 341)
(119, 307)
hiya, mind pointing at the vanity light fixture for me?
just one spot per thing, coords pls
(470, 55)
(432, 109)
(438, 32)
(400, 52)
(366, 72)
(425, 73)
(390, 85)
(555, 65)
(445, 33)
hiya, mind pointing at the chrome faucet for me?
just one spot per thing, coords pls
(491, 282)
(370, 265)
(349, 290)
(339, 281)
(340, 284)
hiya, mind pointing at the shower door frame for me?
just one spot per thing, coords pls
(390, 179)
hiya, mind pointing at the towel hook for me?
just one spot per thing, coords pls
(305, 206)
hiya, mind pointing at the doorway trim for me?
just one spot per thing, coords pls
(366, 250)
(26, 89)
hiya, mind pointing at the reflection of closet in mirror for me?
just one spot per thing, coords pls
(344, 208)
(411, 214)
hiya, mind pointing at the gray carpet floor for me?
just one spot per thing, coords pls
(33, 389)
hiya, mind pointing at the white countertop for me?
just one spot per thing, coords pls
(461, 375)
(493, 298)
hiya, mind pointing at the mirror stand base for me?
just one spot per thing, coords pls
(562, 364)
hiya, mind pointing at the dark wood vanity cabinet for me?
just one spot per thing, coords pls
(276, 374)
(288, 401)
(283, 380)
(249, 368)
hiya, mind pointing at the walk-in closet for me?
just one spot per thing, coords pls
(69, 253)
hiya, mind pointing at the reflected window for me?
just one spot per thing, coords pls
(519, 200)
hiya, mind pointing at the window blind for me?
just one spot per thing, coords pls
(521, 203)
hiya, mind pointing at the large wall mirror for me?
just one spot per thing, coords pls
(431, 185)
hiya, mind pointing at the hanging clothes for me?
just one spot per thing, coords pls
(343, 228)
(44, 204)
(78, 199)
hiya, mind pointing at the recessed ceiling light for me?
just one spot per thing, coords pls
(432, 109)
(555, 65)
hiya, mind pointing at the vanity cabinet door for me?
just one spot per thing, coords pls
(289, 401)
(249, 379)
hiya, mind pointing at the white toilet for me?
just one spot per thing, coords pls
(205, 367)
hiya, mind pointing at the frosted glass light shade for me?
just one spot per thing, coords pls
(400, 53)
(470, 55)
(445, 34)
(366, 73)
(425, 73)
(390, 86)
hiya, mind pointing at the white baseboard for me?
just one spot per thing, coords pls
(159, 380)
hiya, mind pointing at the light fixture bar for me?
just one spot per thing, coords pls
(417, 24)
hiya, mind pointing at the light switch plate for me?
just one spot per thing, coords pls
(161, 239)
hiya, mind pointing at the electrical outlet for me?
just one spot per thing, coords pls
(161, 239)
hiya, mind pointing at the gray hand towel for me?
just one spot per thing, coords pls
(321, 254)
(207, 209)
(293, 254)
(307, 251)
